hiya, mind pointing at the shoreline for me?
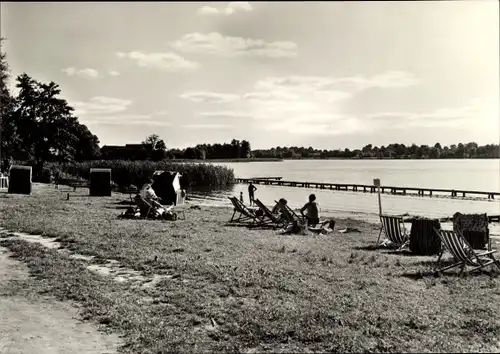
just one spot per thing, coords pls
(348, 216)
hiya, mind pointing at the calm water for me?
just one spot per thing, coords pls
(482, 175)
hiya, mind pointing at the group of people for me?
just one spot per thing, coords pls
(310, 211)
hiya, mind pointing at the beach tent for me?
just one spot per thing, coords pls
(167, 186)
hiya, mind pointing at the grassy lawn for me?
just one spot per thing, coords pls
(249, 290)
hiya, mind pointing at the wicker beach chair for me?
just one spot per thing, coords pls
(462, 252)
(395, 232)
(244, 213)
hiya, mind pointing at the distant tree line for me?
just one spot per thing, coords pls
(234, 150)
(154, 148)
(391, 151)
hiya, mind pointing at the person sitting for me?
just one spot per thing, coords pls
(312, 208)
(281, 205)
(280, 210)
(148, 194)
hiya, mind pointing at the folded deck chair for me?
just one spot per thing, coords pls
(244, 213)
(272, 219)
(462, 252)
(395, 231)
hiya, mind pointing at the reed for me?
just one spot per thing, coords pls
(125, 173)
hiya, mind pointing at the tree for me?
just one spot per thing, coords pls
(44, 122)
(236, 148)
(190, 153)
(8, 135)
(155, 142)
(155, 147)
(87, 144)
(246, 150)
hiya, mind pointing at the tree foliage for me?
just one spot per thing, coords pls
(39, 126)
(46, 127)
(7, 128)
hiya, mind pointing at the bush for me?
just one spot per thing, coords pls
(125, 173)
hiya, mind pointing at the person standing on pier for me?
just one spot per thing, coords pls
(251, 191)
(312, 208)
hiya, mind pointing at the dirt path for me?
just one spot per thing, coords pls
(43, 325)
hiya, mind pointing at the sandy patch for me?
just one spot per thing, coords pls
(111, 268)
(44, 326)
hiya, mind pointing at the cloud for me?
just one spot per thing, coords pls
(310, 105)
(343, 126)
(114, 73)
(155, 119)
(163, 61)
(207, 126)
(210, 97)
(101, 105)
(86, 73)
(388, 80)
(227, 114)
(270, 96)
(476, 111)
(217, 44)
(231, 8)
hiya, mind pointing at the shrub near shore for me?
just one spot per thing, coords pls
(124, 173)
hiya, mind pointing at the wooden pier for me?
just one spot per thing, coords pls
(277, 181)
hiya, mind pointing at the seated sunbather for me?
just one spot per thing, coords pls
(148, 194)
(280, 209)
(279, 206)
(312, 209)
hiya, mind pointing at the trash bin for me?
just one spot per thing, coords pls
(100, 182)
(20, 180)
(423, 238)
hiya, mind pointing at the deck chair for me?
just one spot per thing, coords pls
(462, 252)
(393, 227)
(272, 219)
(244, 213)
(291, 215)
(144, 206)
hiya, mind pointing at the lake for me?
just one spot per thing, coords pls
(482, 175)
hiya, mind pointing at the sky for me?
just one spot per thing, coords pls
(330, 75)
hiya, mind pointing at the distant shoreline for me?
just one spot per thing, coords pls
(275, 159)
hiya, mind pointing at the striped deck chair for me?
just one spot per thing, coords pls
(462, 252)
(244, 213)
(395, 231)
(272, 219)
(291, 215)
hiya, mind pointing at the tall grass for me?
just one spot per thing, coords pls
(125, 173)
